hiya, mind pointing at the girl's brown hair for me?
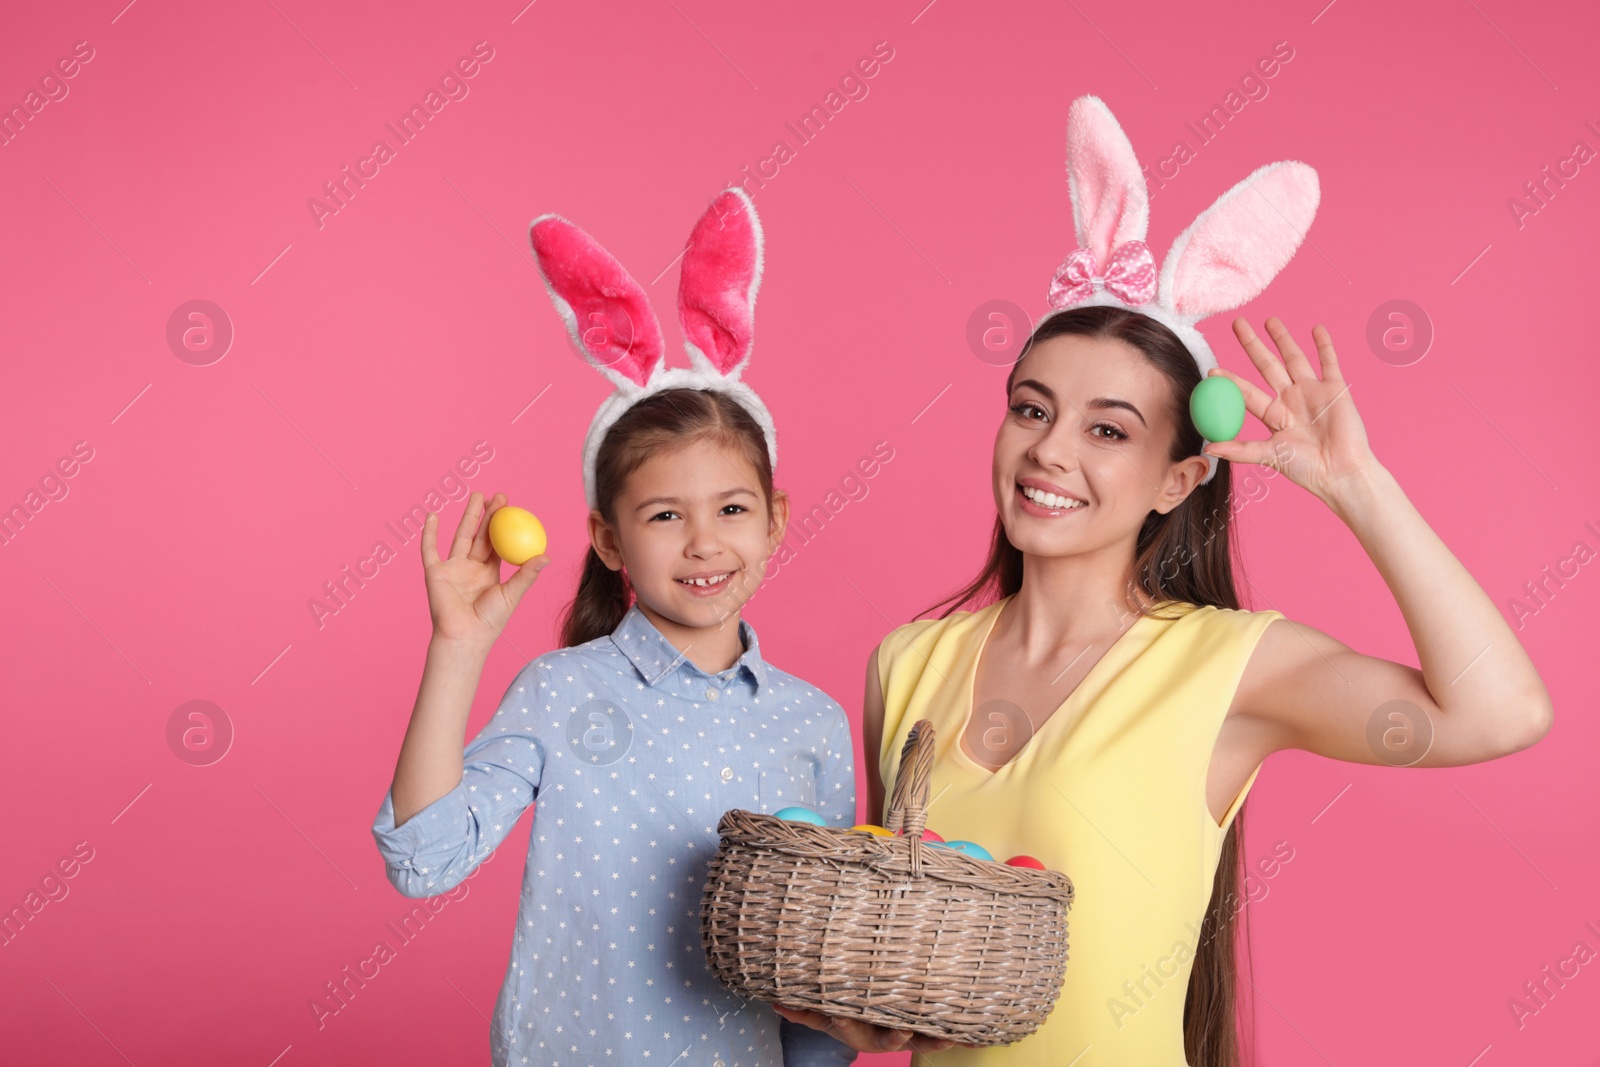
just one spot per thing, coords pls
(659, 423)
(1184, 556)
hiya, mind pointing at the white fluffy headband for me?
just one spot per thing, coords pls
(610, 321)
(1222, 261)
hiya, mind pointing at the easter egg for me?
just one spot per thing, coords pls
(1025, 861)
(927, 835)
(1217, 408)
(875, 831)
(976, 851)
(799, 814)
(516, 535)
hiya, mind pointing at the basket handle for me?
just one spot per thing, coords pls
(908, 805)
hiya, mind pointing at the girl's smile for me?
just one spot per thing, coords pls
(706, 583)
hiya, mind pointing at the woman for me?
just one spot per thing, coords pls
(1107, 706)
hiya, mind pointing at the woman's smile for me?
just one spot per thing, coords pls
(1046, 501)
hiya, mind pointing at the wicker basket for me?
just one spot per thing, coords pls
(886, 929)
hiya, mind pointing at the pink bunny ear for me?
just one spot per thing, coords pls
(607, 313)
(1109, 203)
(1238, 244)
(717, 285)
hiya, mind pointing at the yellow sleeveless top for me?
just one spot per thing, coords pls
(1111, 790)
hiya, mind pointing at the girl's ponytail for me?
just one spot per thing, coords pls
(598, 606)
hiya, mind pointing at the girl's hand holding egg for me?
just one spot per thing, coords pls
(468, 602)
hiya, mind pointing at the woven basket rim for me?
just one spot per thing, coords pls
(891, 856)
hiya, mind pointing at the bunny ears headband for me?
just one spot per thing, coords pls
(611, 322)
(1223, 260)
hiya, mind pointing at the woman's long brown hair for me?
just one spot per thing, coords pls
(1184, 555)
(659, 423)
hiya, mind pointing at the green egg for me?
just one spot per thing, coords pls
(1217, 408)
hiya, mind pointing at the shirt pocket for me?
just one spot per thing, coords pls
(794, 785)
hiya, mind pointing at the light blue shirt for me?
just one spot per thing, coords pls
(633, 754)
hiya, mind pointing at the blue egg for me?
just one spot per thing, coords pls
(799, 814)
(976, 851)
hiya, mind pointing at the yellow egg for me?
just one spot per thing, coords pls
(875, 831)
(516, 535)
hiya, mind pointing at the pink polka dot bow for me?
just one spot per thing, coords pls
(1130, 274)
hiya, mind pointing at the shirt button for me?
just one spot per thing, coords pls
(727, 774)
(712, 693)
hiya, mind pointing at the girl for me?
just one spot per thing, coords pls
(1107, 705)
(659, 714)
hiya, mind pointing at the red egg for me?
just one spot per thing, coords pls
(1025, 861)
(927, 835)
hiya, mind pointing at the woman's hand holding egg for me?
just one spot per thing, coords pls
(466, 598)
(1318, 439)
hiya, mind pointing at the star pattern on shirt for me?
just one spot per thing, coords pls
(607, 963)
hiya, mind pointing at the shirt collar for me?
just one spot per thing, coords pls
(655, 657)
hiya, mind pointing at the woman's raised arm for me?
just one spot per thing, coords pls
(1477, 695)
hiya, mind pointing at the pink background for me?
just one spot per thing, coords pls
(371, 353)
